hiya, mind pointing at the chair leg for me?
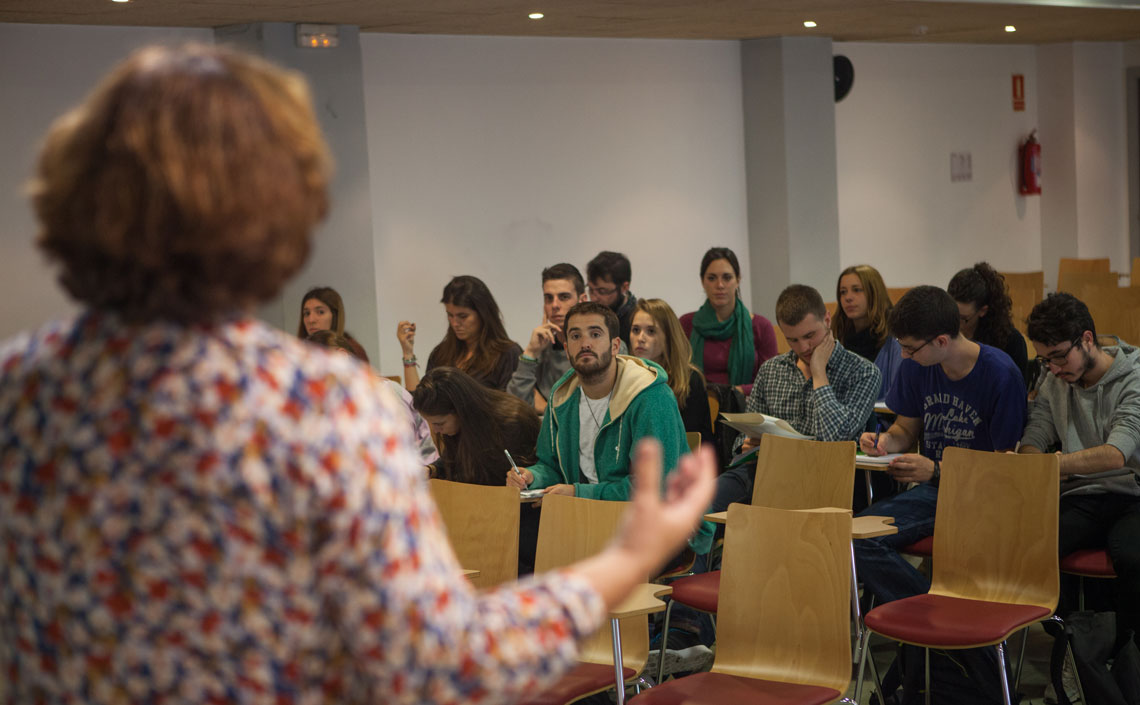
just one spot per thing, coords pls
(862, 650)
(926, 671)
(1021, 659)
(1081, 593)
(1002, 674)
(618, 675)
(664, 643)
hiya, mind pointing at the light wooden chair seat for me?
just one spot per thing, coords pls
(784, 635)
(571, 529)
(995, 556)
(483, 526)
(790, 474)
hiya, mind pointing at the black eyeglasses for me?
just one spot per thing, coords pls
(1058, 359)
(911, 351)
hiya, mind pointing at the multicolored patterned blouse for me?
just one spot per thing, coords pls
(224, 514)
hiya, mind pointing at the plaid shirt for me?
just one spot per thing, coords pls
(837, 411)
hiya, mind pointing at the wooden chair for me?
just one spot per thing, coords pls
(483, 526)
(1076, 283)
(790, 474)
(571, 529)
(1134, 278)
(1032, 283)
(784, 635)
(894, 293)
(781, 342)
(1075, 264)
(995, 557)
(714, 409)
(1116, 311)
(1088, 563)
(693, 438)
(395, 378)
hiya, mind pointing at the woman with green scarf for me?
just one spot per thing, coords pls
(729, 344)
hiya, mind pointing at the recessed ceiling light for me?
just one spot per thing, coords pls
(536, 15)
(809, 24)
(120, 0)
(1010, 28)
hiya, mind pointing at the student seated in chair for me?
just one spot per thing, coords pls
(819, 387)
(956, 393)
(544, 361)
(597, 413)
(1089, 402)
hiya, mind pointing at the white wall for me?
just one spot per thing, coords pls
(44, 70)
(499, 156)
(1101, 153)
(910, 107)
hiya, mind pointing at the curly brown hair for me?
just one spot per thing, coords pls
(185, 187)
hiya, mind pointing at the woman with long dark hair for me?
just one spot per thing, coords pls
(476, 341)
(729, 343)
(475, 424)
(322, 308)
(986, 313)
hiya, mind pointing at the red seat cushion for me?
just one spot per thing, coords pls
(1093, 562)
(951, 622)
(922, 547)
(582, 680)
(699, 591)
(721, 689)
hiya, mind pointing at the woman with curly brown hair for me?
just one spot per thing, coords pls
(476, 341)
(985, 310)
(197, 506)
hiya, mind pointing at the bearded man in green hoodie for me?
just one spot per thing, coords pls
(598, 411)
(1089, 404)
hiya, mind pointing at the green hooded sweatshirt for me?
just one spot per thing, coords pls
(642, 404)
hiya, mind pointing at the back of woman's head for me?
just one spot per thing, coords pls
(329, 297)
(983, 286)
(878, 304)
(184, 187)
(677, 352)
(447, 390)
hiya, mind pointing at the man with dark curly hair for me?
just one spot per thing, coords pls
(1088, 404)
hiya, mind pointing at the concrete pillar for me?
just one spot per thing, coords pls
(790, 163)
(342, 255)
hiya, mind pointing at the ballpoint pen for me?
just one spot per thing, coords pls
(512, 461)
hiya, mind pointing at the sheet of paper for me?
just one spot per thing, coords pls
(756, 425)
(876, 459)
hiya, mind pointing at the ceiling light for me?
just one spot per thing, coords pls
(1010, 28)
(536, 15)
(120, 0)
(809, 24)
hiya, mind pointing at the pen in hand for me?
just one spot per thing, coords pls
(512, 461)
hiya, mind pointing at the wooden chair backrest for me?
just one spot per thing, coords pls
(1115, 310)
(785, 596)
(831, 306)
(894, 293)
(1134, 278)
(693, 438)
(1076, 264)
(714, 409)
(1031, 282)
(1023, 299)
(995, 528)
(781, 342)
(483, 526)
(571, 529)
(1077, 282)
(395, 378)
(797, 474)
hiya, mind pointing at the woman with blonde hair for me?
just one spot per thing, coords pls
(656, 334)
(323, 309)
(476, 340)
(860, 320)
(196, 506)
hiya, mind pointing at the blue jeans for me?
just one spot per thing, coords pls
(884, 572)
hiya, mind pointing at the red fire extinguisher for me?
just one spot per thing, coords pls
(1029, 166)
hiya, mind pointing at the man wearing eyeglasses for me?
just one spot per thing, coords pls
(956, 393)
(609, 275)
(1089, 405)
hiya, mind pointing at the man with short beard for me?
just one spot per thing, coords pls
(597, 413)
(1089, 404)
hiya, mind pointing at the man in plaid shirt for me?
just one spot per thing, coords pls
(822, 389)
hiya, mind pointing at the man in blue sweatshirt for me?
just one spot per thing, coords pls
(1089, 404)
